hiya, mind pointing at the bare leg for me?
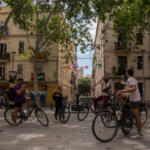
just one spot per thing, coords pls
(137, 119)
(15, 114)
(122, 96)
(28, 105)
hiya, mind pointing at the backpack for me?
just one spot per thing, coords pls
(11, 95)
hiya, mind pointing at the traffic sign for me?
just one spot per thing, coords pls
(72, 81)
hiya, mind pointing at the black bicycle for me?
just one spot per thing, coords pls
(105, 125)
(21, 116)
(64, 112)
(84, 111)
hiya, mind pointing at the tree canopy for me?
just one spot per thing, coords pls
(84, 85)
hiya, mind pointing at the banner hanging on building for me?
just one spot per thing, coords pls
(12, 76)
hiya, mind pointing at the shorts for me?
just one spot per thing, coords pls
(19, 104)
(134, 105)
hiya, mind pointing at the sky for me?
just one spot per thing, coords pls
(88, 54)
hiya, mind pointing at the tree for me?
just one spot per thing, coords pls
(84, 85)
(64, 21)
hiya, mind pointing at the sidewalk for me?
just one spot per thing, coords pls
(73, 135)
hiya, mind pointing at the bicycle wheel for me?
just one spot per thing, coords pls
(142, 114)
(42, 117)
(8, 115)
(127, 122)
(64, 114)
(101, 129)
(83, 113)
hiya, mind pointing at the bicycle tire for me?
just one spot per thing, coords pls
(61, 115)
(39, 114)
(19, 116)
(146, 113)
(78, 116)
(116, 126)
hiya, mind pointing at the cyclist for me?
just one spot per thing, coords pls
(104, 97)
(19, 98)
(133, 92)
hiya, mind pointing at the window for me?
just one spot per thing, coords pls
(42, 48)
(20, 69)
(3, 49)
(2, 72)
(21, 47)
(139, 62)
(39, 68)
(122, 65)
(139, 39)
(21, 26)
(111, 17)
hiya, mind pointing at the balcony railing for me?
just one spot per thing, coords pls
(119, 46)
(4, 57)
(6, 30)
(119, 71)
(41, 76)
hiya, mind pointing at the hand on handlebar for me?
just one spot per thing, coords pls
(119, 92)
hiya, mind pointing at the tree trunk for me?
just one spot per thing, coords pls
(36, 80)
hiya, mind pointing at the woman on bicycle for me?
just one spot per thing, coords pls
(58, 97)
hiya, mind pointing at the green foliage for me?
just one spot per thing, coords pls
(84, 85)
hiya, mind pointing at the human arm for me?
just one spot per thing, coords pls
(123, 83)
(131, 89)
(107, 87)
(18, 92)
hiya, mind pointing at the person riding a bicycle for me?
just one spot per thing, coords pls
(133, 93)
(19, 98)
(105, 96)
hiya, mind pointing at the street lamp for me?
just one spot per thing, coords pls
(13, 56)
(142, 51)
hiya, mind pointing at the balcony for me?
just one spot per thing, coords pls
(119, 47)
(6, 30)
(118, 71)
(4, 57)
(41, 76)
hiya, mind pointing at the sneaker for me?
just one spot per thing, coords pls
(56, 120)
(28, 112)
(16, 125)
(137, 136)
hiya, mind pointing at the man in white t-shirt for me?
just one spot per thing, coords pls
(133, 93)
(105, 96)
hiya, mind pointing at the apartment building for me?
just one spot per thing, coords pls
(80, 72)
(114, 62)
(51, 70)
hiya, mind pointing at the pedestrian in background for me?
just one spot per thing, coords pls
(58, 97)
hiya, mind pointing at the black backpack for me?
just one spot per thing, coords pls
(11, 95)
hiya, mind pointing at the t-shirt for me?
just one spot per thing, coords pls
(134, 96)
(109, 91)
(20, 97)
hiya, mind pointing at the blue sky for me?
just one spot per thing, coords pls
(88, 54)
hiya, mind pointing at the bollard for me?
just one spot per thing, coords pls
(51, 106)
(69, 106)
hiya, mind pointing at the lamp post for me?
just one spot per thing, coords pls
(143, 98)
(13, 56)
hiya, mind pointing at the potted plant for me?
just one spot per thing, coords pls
(7, 55)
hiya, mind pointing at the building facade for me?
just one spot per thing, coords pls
(51, 70)
(114, 62)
